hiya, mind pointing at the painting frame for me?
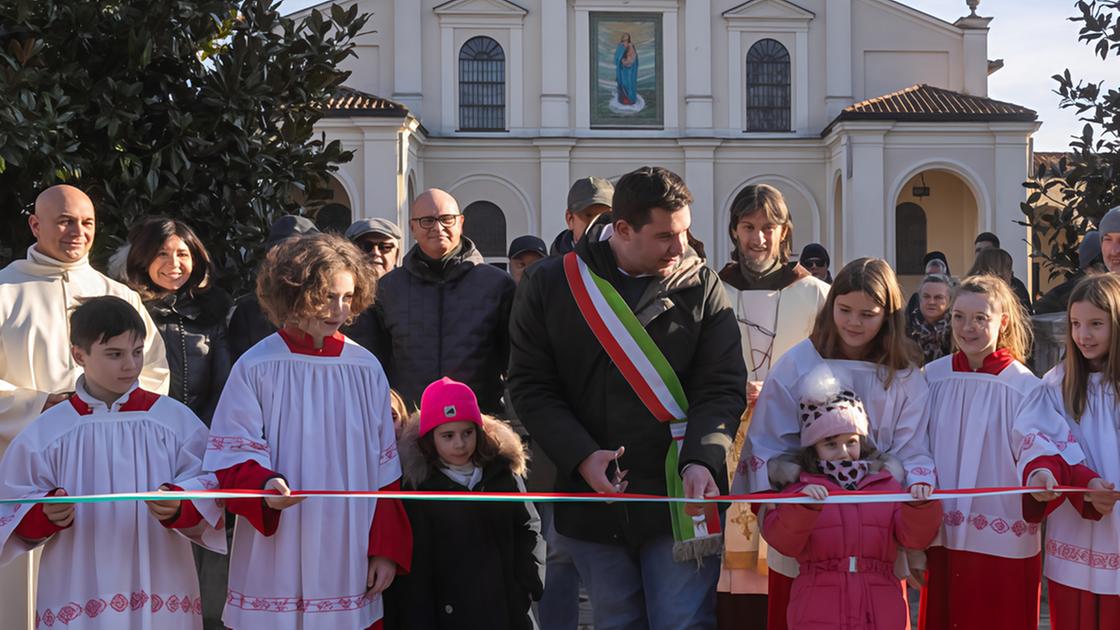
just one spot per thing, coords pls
(626, 71)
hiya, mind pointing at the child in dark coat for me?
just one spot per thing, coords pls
(474, 565)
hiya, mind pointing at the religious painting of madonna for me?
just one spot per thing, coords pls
(626, 82)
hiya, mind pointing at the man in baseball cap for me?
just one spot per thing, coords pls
(380, 239)
(587, 199)
(524, 251)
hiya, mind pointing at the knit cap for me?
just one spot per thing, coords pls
(1110, 222)
(1089, 250)
(826, 409)
(447, 401)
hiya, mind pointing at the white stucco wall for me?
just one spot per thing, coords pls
(842, 51)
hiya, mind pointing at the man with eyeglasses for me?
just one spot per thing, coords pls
(775, 302)
(380, 239)
(444, 311)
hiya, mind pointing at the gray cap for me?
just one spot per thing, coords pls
(588, 192)
(375, 226)
(1089, 250)
(1110, 222)
(288, 226)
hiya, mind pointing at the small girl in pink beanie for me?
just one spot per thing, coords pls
(846, 552)
(474, 565)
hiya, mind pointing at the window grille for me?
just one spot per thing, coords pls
(768, 91)
(482, 85)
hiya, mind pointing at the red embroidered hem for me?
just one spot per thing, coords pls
(120, 603)
(297, 604)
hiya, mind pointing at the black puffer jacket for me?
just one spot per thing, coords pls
(450, 322)
(194, 332)
(574, 400)
(474, 565)
(248, 325)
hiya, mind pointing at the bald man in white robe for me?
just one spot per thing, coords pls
(36, 370)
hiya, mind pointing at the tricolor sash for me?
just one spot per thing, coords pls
(649, 374)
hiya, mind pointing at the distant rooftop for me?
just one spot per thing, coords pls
(926, 103)
(348, 102)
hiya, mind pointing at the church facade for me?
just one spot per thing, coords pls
(871, 117)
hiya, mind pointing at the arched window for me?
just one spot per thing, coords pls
(768, 92)
(485, 224)
(482, 85)
(910, 238)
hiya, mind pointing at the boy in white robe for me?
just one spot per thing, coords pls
(310, 408)
(112, 565)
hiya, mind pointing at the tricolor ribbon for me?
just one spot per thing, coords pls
(837, 497)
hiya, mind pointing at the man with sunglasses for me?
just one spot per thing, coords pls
(380, 239)
(444, 311)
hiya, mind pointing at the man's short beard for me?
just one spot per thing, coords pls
(758, 266)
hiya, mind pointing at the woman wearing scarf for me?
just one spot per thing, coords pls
(927, 323)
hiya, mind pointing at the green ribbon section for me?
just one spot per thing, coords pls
(644, 341)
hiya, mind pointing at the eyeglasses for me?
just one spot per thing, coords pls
(446, 220)
(812, 263)
(382, 246)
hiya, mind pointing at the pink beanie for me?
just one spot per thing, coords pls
(447, 401)
(827, 410)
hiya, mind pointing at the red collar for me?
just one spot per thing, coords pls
(138, 400)
(994, 363)
(300, 342)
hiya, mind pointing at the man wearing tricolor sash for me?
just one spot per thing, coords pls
(626, 367)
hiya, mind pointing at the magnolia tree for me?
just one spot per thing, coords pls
(1067, 199)
(195, 109)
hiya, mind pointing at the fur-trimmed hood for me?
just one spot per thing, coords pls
(414, 468)
(785, 469)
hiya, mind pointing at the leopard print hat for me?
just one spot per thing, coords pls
(825, 409)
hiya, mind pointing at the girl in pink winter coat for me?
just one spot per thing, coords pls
(846, 552)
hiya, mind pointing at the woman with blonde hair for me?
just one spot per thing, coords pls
(985, 571)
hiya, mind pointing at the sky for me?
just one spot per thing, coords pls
(1034, 38)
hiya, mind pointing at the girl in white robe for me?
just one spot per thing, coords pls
(111, 565)
(308, 408)
(861, 334)
(1068, 433)
(984, 568)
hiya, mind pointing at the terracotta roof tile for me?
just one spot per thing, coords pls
(350, 102)
(1048, 163)
(926, 103)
